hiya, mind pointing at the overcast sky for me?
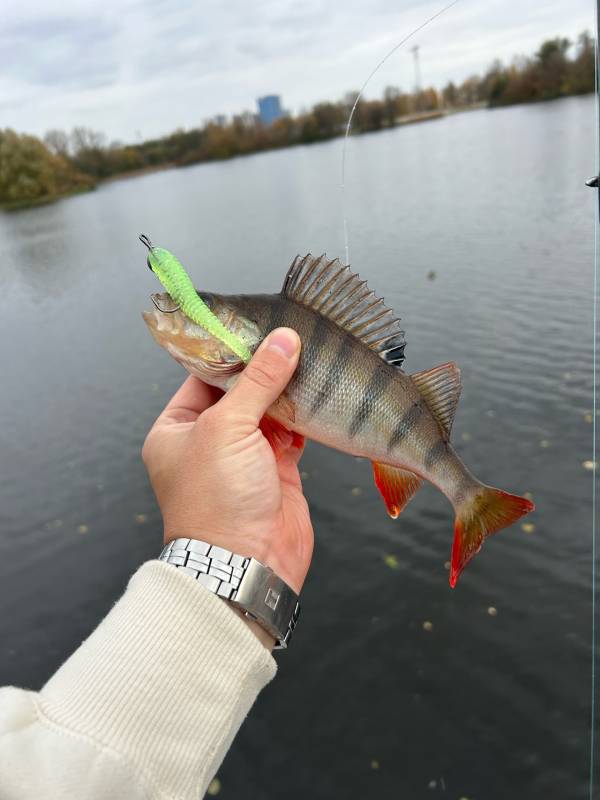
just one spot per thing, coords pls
(140, 68)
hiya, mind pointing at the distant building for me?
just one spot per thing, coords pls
(269, 108)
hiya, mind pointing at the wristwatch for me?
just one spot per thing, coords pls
(244, 582)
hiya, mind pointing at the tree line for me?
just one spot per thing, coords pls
(33, 171)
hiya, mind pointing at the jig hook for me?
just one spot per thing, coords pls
(157, 305)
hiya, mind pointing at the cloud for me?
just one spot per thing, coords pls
(59, 52)
(145, 67)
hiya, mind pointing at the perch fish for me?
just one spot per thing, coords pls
(349, 391)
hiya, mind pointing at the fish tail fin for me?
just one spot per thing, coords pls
(482, 513)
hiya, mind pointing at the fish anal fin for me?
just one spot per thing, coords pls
(279, 437)
(396, 486)
(335, 292)
(440, 387)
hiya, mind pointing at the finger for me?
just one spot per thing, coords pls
(189, 401)
(265, 377)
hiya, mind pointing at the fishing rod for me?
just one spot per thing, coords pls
(594, 183)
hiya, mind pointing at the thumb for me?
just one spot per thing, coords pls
(266, 376)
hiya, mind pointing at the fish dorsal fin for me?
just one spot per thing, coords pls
(337, 293)
(440, 388)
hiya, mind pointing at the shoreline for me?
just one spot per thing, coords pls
(410, 119)
(23, 205)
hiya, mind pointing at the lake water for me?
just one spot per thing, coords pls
(368, 702)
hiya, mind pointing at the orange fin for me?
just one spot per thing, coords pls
(488, 511)
(440, 388)
(279, 437)
(396, 485)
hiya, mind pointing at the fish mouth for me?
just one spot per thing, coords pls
(166, 320)
(188, 343)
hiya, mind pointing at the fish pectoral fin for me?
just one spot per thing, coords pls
(396, 485)
(279, 437)
(440, 388)
(284, 407)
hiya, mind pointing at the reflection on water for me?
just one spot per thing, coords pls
(396, 686)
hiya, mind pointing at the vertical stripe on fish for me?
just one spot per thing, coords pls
(406, 425)
(378, 384)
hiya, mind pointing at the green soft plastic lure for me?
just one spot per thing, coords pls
(171, 273)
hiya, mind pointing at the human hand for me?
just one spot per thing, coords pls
(215, 475)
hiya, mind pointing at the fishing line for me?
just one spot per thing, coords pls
(594, 411)
(359, 95)
(594, 315)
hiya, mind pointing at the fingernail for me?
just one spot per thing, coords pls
(283, 340)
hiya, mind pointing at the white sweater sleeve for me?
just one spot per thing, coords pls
(147, 706)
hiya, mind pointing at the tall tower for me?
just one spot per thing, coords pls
(269, 108)
(415, 51)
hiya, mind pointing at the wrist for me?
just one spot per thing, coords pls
(252, 588)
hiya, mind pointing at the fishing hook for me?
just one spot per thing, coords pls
(145, 240)
(163, 310)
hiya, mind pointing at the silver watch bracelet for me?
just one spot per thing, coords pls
(250, 586)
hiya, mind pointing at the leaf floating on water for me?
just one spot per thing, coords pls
(391, 561)
(357, 491)
(589, 464)
(374, 764)
(140, 518)
(83, 529)
(527, 527)
(427, 625)
(493, 612)
(214, 787)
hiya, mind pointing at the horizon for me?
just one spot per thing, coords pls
(132, 92)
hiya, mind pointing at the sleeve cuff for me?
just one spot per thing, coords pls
(165, 680)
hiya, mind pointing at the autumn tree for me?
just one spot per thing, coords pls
(30, 173)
